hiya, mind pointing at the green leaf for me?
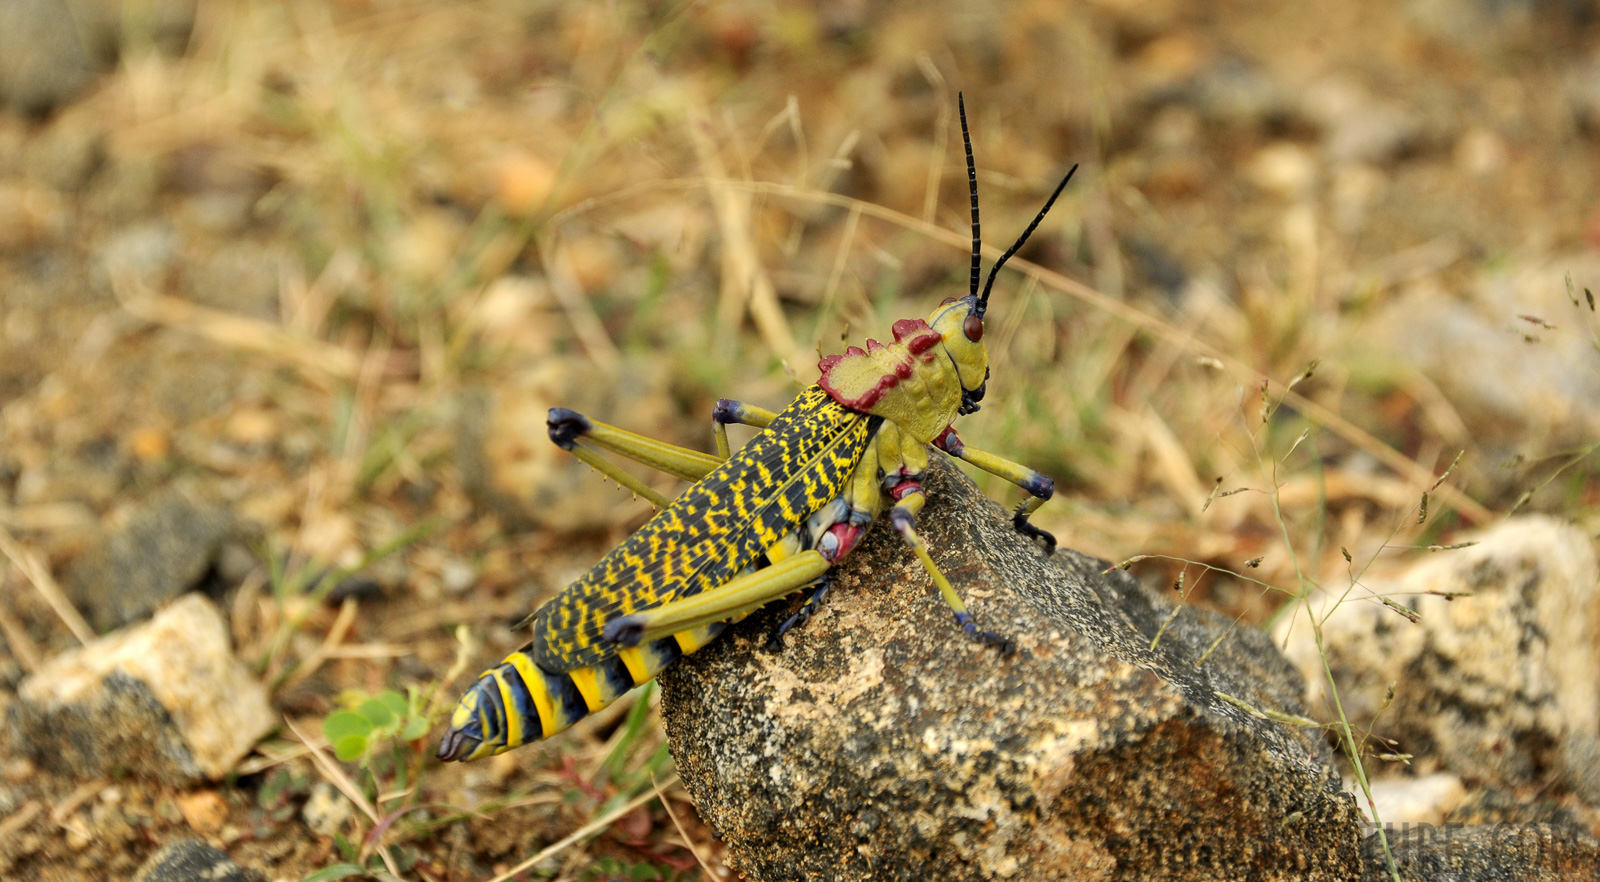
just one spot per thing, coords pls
(350, 748)
(340, 725)
(415, 728)
(377, 712)
(337, 871)
(395, 701)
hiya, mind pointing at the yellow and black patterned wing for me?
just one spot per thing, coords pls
(713, 530)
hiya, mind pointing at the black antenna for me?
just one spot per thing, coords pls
(972, 186)
(983, 302)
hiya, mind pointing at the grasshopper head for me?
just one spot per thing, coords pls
(960, 325)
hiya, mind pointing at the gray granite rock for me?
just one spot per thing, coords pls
(881, 743)
(192, 860)
(1496, 678)
(165, 699)
(163, 551)
(1502, 853)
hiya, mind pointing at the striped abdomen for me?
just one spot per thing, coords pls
(516, 701)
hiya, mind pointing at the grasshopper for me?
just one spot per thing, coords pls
(756, 525)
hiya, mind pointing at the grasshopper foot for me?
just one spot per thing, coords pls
(567, 426)
(801, 616)
(988, 638)
(1023, 526)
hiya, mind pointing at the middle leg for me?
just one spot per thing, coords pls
(903, 517)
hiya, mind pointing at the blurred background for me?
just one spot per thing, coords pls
(295, 283)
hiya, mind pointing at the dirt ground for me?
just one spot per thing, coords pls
(326, 265)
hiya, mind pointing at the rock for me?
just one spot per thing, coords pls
(1235, 92)
(165, 700)
(1359, 127)
(1424, 799)
(327, 812)
(1517, 386)
(67, 155)
(884, 744)
(163, 551)
(1448, 854)
(42, 60)
(144, 251)
(192, 860)
(1497, 685)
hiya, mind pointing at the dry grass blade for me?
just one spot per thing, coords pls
(585, 323)
(22, 647)
(745, 283)
(582, 833)
(37, 573)
(20, 819)
(335, 636)
(688, 843)
(322, 363)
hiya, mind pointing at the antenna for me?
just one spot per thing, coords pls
(972, 186)
(983, 302)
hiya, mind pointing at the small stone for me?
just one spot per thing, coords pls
(882, 743)
(42, 61)
(1234, 91)
(327, 812)
(1427, 799)
(143, 251)
(204, 810)
(522, 182)
(1284, 169)
(1358, 126)
(163, 551)
(68, 155)
(192, 860)
(1480, 152)
(165, 700)
(458, 575)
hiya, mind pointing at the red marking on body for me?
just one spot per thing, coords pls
(847, 535)
(904, 488)
(914, 334)
(949, 441)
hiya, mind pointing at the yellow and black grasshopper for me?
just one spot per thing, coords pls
(756, 525)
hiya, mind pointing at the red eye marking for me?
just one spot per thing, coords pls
(973, 328)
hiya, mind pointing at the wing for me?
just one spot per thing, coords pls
(713, 530)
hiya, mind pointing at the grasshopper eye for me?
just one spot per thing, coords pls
(973, 328)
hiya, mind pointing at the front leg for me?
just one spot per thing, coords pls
(1039, 486)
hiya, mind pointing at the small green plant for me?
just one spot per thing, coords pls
(371, 720)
